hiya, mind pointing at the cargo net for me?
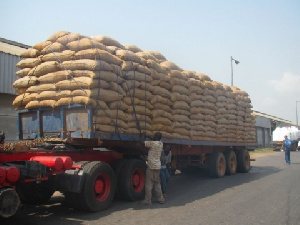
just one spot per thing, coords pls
(131, 91)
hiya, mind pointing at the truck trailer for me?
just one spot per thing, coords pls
(87, 104)
(91, 168)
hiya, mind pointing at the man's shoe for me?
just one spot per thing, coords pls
(145, 203)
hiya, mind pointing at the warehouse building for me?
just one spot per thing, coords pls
(265, 125)
(9, 56)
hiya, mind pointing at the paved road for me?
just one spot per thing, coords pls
(268, 194)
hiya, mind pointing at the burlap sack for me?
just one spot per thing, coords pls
(98, 93)
(162, 84)
(28, 63)
(142, 110)
(157, 55)
(181, 118)
(41, 45)
(87, 64)
(23, 72)
(141, 118)
(55, 77)
(44, 68)
(177, 74)
(98, 54)
(106, 40)
(181, 112)
(162, 113)
(154, 65)
(157, 90)
(133, 66)
(161, 106)
(57, 35)
(40, 104)
(160, 99)
(47, 95)
(129, 56)
(25, 82)
(183, 125)
(132, 48)
(138, 93)
(67, 38)
(102, 75)
(23, 99)
(53, 48)
(136, 75)
(170, 65)
(65, 55)
(81, 83)
(30, 53)
(41, 87)
(113, 114)
(181, 105)
(84, 43)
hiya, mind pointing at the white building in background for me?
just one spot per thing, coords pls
(9, 57)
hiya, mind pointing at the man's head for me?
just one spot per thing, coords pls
(285, 136)
(157, 136)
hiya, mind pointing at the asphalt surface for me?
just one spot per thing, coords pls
(268, 194)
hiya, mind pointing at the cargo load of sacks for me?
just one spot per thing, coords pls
(131, 91)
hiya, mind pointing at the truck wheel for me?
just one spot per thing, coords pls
(9, 202)
(35, 193)
(243, 161)
(231, 163)
(217, 165)
(117, 167)
(98, 188)
(131, 183)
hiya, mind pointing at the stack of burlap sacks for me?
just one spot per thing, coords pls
(131, 90)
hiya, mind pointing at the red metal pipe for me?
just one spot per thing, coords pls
(2, 174)
(12, 174)
(67, 161)
(52, 162)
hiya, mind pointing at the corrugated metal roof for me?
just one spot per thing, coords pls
(12, 47)
(274, 118)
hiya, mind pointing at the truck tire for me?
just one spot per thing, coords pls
(98, 188)
(231, 163)
(243, 161)
(117, 167)
(217, 165)
(131, 181)
(34, 193)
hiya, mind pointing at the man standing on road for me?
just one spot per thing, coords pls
(165, 160)
(288, 145)
(153, 170)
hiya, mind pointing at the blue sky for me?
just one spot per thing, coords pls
(199, 35)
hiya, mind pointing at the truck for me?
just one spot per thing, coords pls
(70, 87)
(91, 168)
(278, 134)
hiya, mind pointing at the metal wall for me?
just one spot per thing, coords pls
(8, 117)
(263, 131)
(7, 72)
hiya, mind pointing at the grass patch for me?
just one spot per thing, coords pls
(261, 151)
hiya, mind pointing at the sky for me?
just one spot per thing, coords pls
(197, 35)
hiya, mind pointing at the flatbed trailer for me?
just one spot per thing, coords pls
(91, 168)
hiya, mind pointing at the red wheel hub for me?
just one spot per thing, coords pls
(102, 187)
(138, 180)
